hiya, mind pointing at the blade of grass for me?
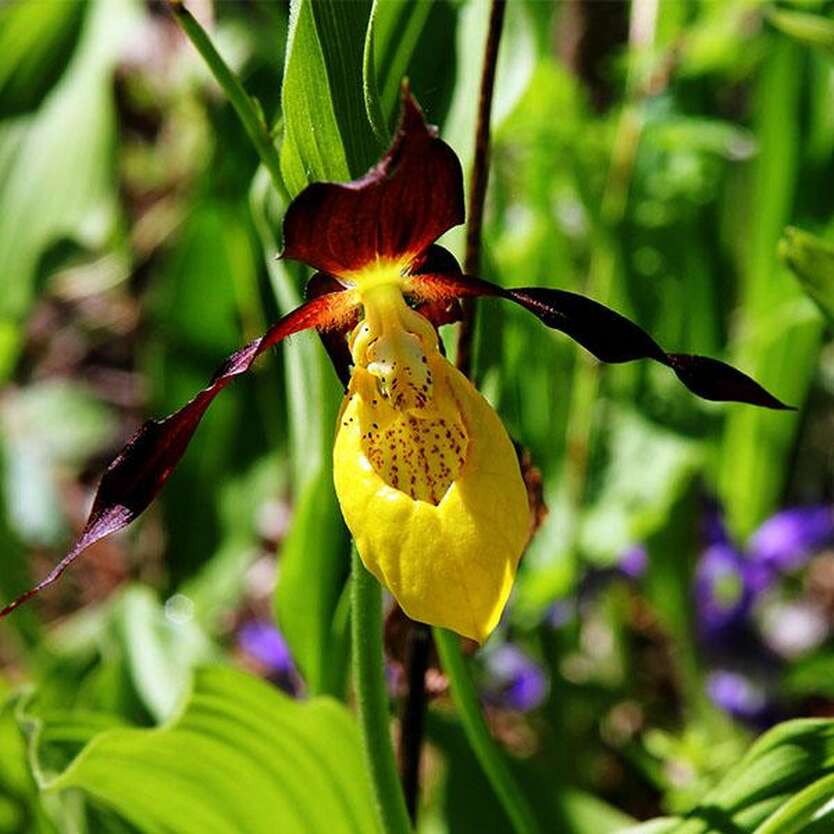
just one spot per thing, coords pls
(485, 749)
(248, 109)
(778, 341)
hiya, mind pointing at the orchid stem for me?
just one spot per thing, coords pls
(480, 739)
(372, 699)
(248, 109)
(478, 180)
(412, 722)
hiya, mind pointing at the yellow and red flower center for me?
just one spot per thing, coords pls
(414, 439)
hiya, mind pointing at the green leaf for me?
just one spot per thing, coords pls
(784, 779)
(396, 27)
(197, 311)
(314, 558)
(46, 426)
(811, 675)
(327, 133)
(792, 817)
(313, 574)
(628, 510)
(61, 180)
(162, 646)
(36, 40)
(241, 757)
(808, 29)
(779, 332)
(21, 811)
(812, 261)
(470, 804)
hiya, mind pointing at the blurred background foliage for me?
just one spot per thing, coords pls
(670, 158)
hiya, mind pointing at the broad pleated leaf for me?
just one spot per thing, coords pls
(241, 758)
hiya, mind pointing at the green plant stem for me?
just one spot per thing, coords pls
(372, 698)
(247, 108)
(477, 733)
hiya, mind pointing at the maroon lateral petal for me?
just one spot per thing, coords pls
(139, 471)
(334, 339)
(401, 206)
(606, 334)
(437, 259)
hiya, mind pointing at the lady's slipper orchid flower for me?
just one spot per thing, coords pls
(427, 478)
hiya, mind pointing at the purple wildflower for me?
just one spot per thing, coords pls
(633, 562)
(738, 695)
(726, 585)
(516, 681)
(788, 539)
(264, 643)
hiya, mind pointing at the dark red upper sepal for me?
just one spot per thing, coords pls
(139, 471)
(395, 211)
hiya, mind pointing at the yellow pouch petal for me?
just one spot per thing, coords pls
(433, 496)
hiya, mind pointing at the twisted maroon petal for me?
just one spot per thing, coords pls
(606, 334)
(395, 211)
(334, 339)
(139, 471)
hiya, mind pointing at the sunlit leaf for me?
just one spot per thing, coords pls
(394, 32)
(778, 330)
(327, 134)
(162, 644)
(628, 510)
(775, 789)
(800, 809)
(241, 757)
(812, 261)
(21, 810)
(36, 40)
(50, 195)
(807, 28)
